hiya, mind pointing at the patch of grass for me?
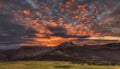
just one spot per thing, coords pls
(52, 65)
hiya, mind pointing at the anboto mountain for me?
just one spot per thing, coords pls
(85, 30)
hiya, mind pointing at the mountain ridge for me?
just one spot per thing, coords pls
(66, 51)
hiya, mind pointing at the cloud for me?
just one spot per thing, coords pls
(10, 31)
(58, 31)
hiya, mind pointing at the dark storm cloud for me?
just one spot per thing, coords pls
(116, 12)
(58, 31)
(10, 32)
(62, 32)
(5, 0)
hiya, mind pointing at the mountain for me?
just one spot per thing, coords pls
(65, 51)
(94, 53)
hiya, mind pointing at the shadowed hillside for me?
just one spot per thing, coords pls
(66, 51)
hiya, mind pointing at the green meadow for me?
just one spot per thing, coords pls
(53, 65)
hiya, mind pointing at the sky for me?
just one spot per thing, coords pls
(21, 20)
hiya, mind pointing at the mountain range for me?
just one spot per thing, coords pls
(67, 51)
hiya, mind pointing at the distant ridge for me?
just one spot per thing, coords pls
(65, 51)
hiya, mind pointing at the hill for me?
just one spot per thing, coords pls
(66, 51)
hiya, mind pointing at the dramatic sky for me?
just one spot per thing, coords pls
(21, 20)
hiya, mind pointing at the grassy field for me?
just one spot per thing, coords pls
(52, 65)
